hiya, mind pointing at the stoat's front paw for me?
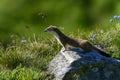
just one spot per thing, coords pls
(65, 49)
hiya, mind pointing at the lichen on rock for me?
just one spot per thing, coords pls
(77, 65)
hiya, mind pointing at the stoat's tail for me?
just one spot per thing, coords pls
(101, 51)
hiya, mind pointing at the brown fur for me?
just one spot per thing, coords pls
(84, 44)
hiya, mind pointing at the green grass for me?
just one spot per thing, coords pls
(28, 61)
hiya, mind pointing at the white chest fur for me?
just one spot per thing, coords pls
(57, 37)
(67, 47)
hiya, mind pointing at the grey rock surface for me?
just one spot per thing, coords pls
(76, 65)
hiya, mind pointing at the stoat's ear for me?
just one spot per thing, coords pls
(50, 28)
(55, 27)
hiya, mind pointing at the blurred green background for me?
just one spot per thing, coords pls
(25, 17)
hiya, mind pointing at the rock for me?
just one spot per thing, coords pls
(77, 65)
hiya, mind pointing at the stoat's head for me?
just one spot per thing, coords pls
(51, 29)
(55, 31)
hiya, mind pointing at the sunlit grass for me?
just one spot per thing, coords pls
(28, 60)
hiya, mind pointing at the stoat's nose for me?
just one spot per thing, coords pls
(45, 30)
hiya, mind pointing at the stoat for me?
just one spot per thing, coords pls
(68, 42)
